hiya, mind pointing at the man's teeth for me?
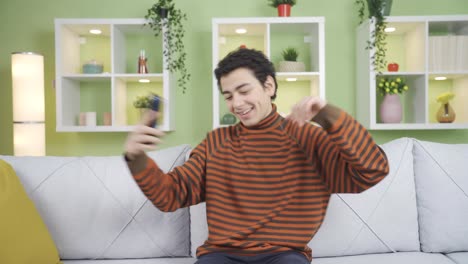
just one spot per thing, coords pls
(245, 112)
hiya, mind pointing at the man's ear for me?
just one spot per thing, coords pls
(269, 85)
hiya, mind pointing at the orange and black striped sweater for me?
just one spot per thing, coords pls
(267, 187)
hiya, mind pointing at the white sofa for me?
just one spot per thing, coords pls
(96, 213)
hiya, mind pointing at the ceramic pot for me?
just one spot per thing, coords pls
(284, 10)
(291, 66)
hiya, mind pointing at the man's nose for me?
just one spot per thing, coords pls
(236, 101)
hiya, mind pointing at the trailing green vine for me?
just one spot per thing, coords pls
(172, 28)
(377, 41)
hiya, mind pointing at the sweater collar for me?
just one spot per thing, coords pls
(271, 121)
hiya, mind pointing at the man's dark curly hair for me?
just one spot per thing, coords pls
(251, 59)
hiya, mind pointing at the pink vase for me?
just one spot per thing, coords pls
(390, 109)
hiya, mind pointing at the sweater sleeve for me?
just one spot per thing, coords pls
(181, 187)
(344, 153)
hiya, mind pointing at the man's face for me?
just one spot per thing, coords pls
(246, 97)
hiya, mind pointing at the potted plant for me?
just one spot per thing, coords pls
(283, 6)
(143, 101)
(445, 114)
(164, 18)
(377, 10)
(390, 87)
(290, 63)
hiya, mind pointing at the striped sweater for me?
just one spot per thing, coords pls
(267, 187)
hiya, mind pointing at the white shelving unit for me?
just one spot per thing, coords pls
(114, 90)
(272, 35)
(425, 47)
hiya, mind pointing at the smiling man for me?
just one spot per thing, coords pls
(267, 180)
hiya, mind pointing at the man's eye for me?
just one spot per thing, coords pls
(227, 98)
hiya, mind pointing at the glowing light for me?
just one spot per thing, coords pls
(241, 31)
(95, 31)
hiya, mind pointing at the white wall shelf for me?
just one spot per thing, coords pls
(114, 90)
(272, 35)
(425, 47)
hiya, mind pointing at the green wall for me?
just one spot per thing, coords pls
(28, 25)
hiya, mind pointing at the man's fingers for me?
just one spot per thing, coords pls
(147, 130)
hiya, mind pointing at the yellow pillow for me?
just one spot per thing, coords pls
(24, 238)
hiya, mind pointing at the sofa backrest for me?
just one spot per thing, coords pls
(380, 219)
(441, 173)
(94, 209)
(421, 205)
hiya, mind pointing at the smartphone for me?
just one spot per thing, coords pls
(155, 103)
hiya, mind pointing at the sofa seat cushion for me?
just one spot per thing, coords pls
(441, 174)
(24, 237)
(95, 210)
(381, 219)
(135, 261)
(388, 258)
(459, 257)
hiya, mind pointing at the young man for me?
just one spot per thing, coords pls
(267, 180)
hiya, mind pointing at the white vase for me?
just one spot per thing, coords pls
(390, 109)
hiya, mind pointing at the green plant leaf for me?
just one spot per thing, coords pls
(290, 54)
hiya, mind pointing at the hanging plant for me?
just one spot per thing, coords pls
(377, 10)
(164, 18)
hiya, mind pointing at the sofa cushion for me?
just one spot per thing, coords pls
(95, 210)
(136, 261)
(459, 257)
(389, 258)
(24, 237)
(441, 173)
(378, 220)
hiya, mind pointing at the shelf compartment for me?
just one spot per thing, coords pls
(302, 36)
(77, 46)
(413, 101)
(254, 38)
(127, 89)
(455, 83)
(406, 46)
(129, 40)
(291, 92)
(84, 95)
(448, 46)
